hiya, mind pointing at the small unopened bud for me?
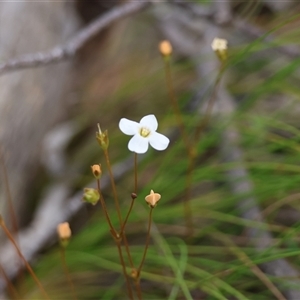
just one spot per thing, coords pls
(96, 170)
(64, 233)
(165, 48)
(152, 199)
(133, 196)
(91, 196)
(220, 47)
(102, 138)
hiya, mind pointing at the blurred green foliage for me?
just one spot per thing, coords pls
(206, 266)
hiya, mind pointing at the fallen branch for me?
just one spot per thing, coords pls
(67, 51)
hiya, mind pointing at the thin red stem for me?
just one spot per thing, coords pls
(30, 270)
(135, 174)
(112, 229)
(147, 242)
(67, 273)
(124, 270)
(11, 289)
(112, 181)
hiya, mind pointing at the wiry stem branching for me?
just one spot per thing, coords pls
(111, 227)
(210, 104)
(12, 213)
(113, 184)
(191, 152)
(133, 197)
(11, 289)
(147, 240)
(135, 174)
(129, 289)
(138, 273)
(28, 267)
(117, 238)
(175, 106)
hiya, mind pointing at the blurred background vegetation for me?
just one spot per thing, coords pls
(244, 188)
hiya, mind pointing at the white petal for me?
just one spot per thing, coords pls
(138, 144)
(149, 122)
(158, 141)
(128, 127)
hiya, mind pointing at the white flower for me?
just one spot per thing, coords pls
(219, 44)
(143, 134)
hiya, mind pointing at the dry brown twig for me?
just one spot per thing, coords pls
(67, 51)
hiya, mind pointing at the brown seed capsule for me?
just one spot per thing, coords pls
(133, 196)
(64, 231)
(96, 170)
(152, 199)
(165, 48)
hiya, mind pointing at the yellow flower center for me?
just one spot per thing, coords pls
(144, 132)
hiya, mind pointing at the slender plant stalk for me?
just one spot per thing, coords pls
(128, 214)
(138, 289)
(124, 238)
(135, 174)
(147, 241)
(175, 106)
(9, 197)
(187, 208)
(144, 255)
(191, 153)
(11, 289)
(10, 237)
(112, 229)
(133, 197)
(210, 104)
(112, 181)
(13, 217)
(113, 184)
(66, 271)
(116, 237)
(124, 270)
(198, 133)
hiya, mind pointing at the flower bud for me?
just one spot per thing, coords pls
(91, 196)
(220, 47)
(102, 138)
(165, 48)
(152, 199)
(64, 233)
(96, 170)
